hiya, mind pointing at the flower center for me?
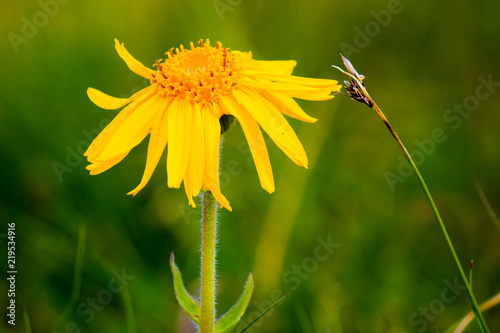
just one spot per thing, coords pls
(201, 74)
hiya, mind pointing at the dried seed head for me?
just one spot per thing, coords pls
(351, 69)
(355, 84)
(355, 93)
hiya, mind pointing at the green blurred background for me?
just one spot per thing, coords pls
(390, 268)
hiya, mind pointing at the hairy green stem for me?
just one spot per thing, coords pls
(207, 317)
(475, 306)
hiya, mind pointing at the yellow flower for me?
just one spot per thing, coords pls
(190, 91)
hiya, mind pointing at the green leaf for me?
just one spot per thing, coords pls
(231, 318)
(188, 303)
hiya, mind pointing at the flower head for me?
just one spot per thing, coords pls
(190, 90)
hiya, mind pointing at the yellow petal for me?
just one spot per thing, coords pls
(135, 66)
(157, 144)
(107, 133)
(188, 186)
(303, 81)
(273, 122)
(100, 167)
(108, 102)
(180, 113)
(212, 146)
(212, 143)
(280, 67)
(197, 160)
(255, 141)
(134, 129)
(221, 199)
(293, 90)
(288, 106)
(196, 166)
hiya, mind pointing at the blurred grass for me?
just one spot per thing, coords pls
(77, 278)
(392, 259)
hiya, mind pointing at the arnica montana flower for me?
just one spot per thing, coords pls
(190, 91)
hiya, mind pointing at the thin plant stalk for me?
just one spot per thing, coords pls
(475, 306)
(129, 311)
(462, 325)
(357, 91)
(207, 317)
(487, 205)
